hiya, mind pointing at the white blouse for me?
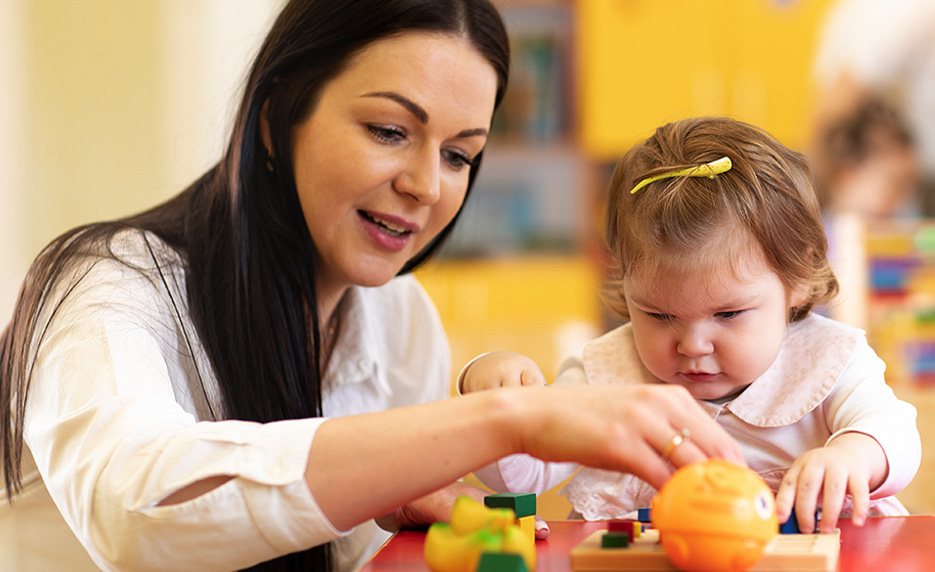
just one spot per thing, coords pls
(825, 381)
(123, 410)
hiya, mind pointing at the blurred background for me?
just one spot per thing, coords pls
(108, 107)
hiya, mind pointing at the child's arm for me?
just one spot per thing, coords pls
(499, 369)
(874, 450)
(852, 463)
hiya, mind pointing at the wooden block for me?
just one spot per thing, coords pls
(615, 540)
(501, 562)
(785, 553)
(523, 504)
(627, 525)
(527, 525)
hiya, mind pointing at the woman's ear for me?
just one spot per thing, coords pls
(264, 129)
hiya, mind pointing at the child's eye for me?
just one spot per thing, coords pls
(728, 315)
(660, 317)
(456, 159)
(386, 134)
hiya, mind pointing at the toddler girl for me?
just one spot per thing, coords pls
(720, 256)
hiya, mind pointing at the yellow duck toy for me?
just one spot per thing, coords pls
(474, 530)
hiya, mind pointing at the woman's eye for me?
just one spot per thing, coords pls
(456, 159)
(386, 134)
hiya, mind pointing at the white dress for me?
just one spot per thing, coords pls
(825, 381)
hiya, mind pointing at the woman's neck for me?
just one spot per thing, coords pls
(328, 300)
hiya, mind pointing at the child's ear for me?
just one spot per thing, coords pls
(798, 296)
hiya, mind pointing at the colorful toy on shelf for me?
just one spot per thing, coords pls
(473, 531)
(714, 516)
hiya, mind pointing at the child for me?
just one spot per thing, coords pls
(720, 255)
(866, 163)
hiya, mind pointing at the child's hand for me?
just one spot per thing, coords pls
(501, 369)
(852, 463)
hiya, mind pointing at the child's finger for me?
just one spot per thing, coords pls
(860, 494)
(785, 497)
(542, 528)
(806, 498)
(531, 376)
(832, 501)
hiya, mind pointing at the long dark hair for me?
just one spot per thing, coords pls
(239, 229)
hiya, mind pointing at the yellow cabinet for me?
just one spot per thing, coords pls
(642, 63)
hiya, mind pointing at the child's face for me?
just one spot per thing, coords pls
(712, 332)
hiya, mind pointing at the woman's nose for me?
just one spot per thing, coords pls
(420, 178)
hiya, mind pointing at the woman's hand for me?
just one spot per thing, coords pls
(852, 463)
(500, 369)
(636, 429)
(433, 507)
(436, 507)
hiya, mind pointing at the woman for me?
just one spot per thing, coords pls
(217, 383)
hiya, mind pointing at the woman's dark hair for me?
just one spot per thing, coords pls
(240, 231)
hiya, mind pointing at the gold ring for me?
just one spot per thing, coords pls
(679, 438)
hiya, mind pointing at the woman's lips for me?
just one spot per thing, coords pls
(389, 232)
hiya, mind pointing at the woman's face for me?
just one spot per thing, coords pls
(382, 163)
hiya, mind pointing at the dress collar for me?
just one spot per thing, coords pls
(812, 357)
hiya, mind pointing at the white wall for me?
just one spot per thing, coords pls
(207, 48)
(108, 108)
(12, 249)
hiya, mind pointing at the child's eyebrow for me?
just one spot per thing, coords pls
(646, 306)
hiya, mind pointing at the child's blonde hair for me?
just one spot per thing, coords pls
(766, 202)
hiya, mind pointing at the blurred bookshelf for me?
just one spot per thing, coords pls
(532, 195)
(887, 274)
(519, 272)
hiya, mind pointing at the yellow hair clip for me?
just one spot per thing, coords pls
(709, 170)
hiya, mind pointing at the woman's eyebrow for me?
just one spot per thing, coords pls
(419, 113)
(410, 105)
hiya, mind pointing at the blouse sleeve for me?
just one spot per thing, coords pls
(862, 402)
(111, 440)
(524, 473)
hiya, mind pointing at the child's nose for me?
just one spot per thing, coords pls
(694, 343)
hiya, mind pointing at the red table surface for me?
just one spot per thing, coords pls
(890, 544)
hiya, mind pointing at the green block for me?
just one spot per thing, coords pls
(615, 540)
(523, 504)
(501, 562)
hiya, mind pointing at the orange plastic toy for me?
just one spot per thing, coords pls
(714, 516)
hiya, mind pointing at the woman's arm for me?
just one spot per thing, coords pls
(363, 466)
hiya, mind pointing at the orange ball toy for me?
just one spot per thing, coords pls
(714, 516)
